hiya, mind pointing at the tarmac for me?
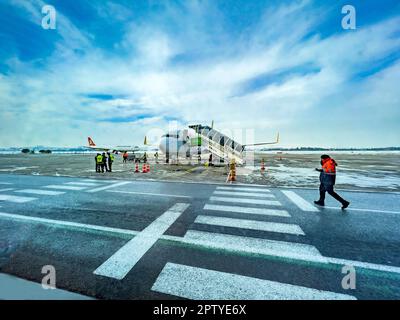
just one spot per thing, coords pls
(356, 171)
(112, 238)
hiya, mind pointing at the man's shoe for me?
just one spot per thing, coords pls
(345, 205)
(319, 203)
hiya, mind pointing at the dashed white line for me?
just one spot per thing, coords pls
(64, 187)
(204, 284)
(250, 224)
(150, 194)
(259, 211)
(16, 199)
(299, 201)
(114, 185)
(243, 189)
(248, 201)
(244, 194)
(7, 183)
(42, 192)
(121, 262)
(6, 189)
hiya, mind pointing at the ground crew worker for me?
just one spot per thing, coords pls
(328, 178)
(99, 160)
(145, 157)
(156, 156)
(104, 162)
(110, 161)
(125, 156)
(210, 159)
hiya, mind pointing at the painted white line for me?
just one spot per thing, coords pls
(13, 288)
(43, 192)
(204, 284)
(364, 210)
(16, 199)
(121, 262)
(364, 265)
(86, 184)
(64, 187)
(245, 245)
(243, 189)
(244, 194)
(150, 194)
(73, 225)
(93, 180)
(242, 244)
(299, 201)
(248, 201)
(109, 186)
(6, 189)
(259, 211)
(7, 183)
(250, 224)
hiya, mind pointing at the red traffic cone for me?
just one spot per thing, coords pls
(137, 168)
(262, 165)
(144, 168)
(148, 167)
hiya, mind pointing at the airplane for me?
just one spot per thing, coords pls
(199, 139)
(137, 150)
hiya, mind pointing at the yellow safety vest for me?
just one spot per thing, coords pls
(99, 159)
(111, 157)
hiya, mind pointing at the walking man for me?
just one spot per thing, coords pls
(327, 178)
(125, 156)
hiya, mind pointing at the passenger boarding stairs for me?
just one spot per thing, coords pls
(219, 144)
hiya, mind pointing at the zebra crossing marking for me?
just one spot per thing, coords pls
(244, 189)
(64, 187)
(299, 201)
(15, 199)
(247, 201)
(249, 210)
(250, 224)
(41, 192)
(205, 284)
(244, 194)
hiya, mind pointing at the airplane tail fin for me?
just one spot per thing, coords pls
(145, 141)
(91, 143)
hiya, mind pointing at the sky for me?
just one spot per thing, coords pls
(120, 70)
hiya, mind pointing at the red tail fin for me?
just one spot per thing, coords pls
(91, 143)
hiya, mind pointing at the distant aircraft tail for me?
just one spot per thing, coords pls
(145, 141)
(91, 143)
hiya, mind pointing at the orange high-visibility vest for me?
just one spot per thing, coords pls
(329, 166)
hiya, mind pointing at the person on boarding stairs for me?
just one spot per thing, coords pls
(327, 178)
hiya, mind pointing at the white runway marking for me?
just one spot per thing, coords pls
(16, 199)
(244, 194)
(43, 192)
(6, 189)
(204, 284)
(150, 194)
(121, 262)
(299, 201)
(7, 183)
(109, 186)
(243, 189)
(254, 245)
(64, 187)
(248, 201)
(251, 224)
(260, 211)
(364, 210)
(86, 184)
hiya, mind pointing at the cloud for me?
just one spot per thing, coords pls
(186, 62)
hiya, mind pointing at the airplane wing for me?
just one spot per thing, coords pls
(263, 143)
